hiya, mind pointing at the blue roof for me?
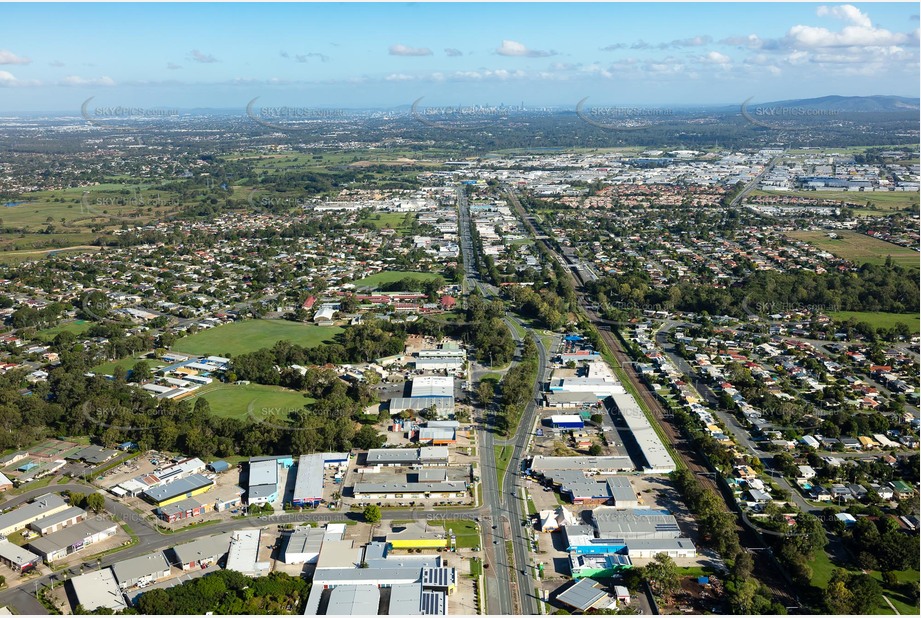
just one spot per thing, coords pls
(703, 580)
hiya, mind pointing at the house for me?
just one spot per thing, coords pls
(851, 444)
(806, 472)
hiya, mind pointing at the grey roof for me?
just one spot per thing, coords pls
(264, 472)
(432, 474)
(57, 518)
(434, 603)
(392, 455)
(654, 451)
(309, 481)
(433, 453)
(304, 541)
(348, 575)
(71, 535)
(98, 589)
(437, 433)
(542, 464)
(206, 548)
(16, 554)
(260, 491)
(94, 454)
(406, 600)
(659, 544)
(583, 595)
(448, 424)
(178, 487)
(390, 488)
(398, 404)
(35, 508)
(437, 577)
(362, 599)
(179, 507)
(133, 569)
(634, 524)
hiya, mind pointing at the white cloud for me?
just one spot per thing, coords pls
(202, 57)
(8, 57)
(453, 53)
(404, 50)
(399, 77)
(715, 57)
(76, 80)
(8, 80)
(847, 12)
(514, 48)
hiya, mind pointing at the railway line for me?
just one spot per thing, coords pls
(765, 566)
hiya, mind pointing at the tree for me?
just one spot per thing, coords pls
(140, 372)
(838, 599)
(662, 574)
(594, 450)
(485, 392)
(372, 513)
(95, 502)
(743, 566)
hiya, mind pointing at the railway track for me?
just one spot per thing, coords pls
(765, 567)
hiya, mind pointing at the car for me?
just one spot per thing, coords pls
(494, 527)
(496, 542)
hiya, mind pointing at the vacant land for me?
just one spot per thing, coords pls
(77, 327)
(881, 320)
(860, 248)
(251, 335)
(389, 276)
(879, 201)
(256, 401)
(466, 532)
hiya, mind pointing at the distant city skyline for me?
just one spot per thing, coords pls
(55, 56)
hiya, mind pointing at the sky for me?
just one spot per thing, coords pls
(54, 56)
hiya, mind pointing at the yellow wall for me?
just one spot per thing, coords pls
(418, 543)
(196, 492)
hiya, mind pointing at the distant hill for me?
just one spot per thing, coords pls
(875, 103)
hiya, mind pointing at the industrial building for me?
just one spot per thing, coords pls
(599, 566)
(587, 594)
(19, 518)
(444, 406)
(445, 490)
(57, 521)
(308, 485)
(17, 558)
(542, 465)
(263, 481)
(424, 456)
(141, 570)
(98, 589)
(566, 421)
(184, 509)
(72, 539)
(243, 553)
(611, 523)
(657, 457)
(178, 490)
(432, 386)
(202, 552)
(303, 546)
(563, 399)
(437, 436)
(649, 548)
(585, 490)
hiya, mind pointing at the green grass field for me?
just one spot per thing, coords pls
(880, 319)
(823, 567)
(466, 532)
(503, 457)
(389, 276)
(257, 400)
(126, 363)
(881, 202)
(251, 335)
(389, 220)
(859, 248)
(77, 327)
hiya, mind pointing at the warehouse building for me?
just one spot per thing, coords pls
(562, 399)
(612, 523)
(586, 490)
(243, 553)
(649, 548)
(432, 386)
(444, 406)
(437, 436)
(308, 486)
(73, 539)
(446, 490)
(587, 594)
(57, 521)
(303, 546)
(178, 490)
(597, 566)
(656, 456)
(18, 559)
(40, 507)
(201, 553)
(184, 509)
(98, 589)
(142, 570)
(263, 478)
(545, 466)
(566, 421)
(424, 456)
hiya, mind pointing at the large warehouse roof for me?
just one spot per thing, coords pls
(432, 386)
(655, 453)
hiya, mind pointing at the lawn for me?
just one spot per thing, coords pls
(860, 248)
(503, 456)
(251, 335)
(125, 363)
(257, 400)
(389, 276)
(879, 319)
(822, 568)
(467, 532)
(77, 327)
(389, 220)
(882, 201)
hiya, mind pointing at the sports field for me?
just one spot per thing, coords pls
(251, 335)
(878, 319)
(255, 401)
(389, 276)
(77, 327)
(860, 248)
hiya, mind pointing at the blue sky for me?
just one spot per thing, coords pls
(54, 56)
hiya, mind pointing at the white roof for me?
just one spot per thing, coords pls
(433, 386)
(98, 589)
